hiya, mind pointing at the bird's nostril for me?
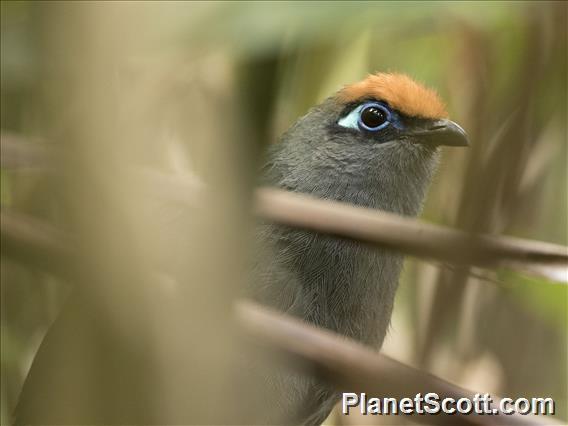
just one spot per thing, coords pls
(437, 127)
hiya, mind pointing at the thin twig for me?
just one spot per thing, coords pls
(411, 236)
(352, 367)
(388, 230)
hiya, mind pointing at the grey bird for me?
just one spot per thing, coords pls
(373, 144)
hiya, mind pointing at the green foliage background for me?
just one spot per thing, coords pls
(485, 58)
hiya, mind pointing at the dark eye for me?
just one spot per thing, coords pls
(370, 116)
(373, 117)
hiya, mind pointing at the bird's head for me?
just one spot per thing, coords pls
(373, 143)
(394, 108)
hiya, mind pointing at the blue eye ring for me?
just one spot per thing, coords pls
(376, 115)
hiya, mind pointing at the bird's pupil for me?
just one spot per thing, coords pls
(373, 117)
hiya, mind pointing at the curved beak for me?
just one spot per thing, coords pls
(442, 132)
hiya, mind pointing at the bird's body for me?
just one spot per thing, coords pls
(335, 280)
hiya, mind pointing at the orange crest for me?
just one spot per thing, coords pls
(400, 92)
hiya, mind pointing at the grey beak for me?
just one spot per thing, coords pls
(442, 132)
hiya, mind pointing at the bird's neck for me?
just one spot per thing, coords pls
(380, 179)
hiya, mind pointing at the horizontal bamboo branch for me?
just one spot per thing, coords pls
(388, 230)
(352, 367)
(404, 234)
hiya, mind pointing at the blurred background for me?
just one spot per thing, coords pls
(98, 99)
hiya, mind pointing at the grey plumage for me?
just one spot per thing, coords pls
(341, 285)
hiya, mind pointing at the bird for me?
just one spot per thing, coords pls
(375, 144)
